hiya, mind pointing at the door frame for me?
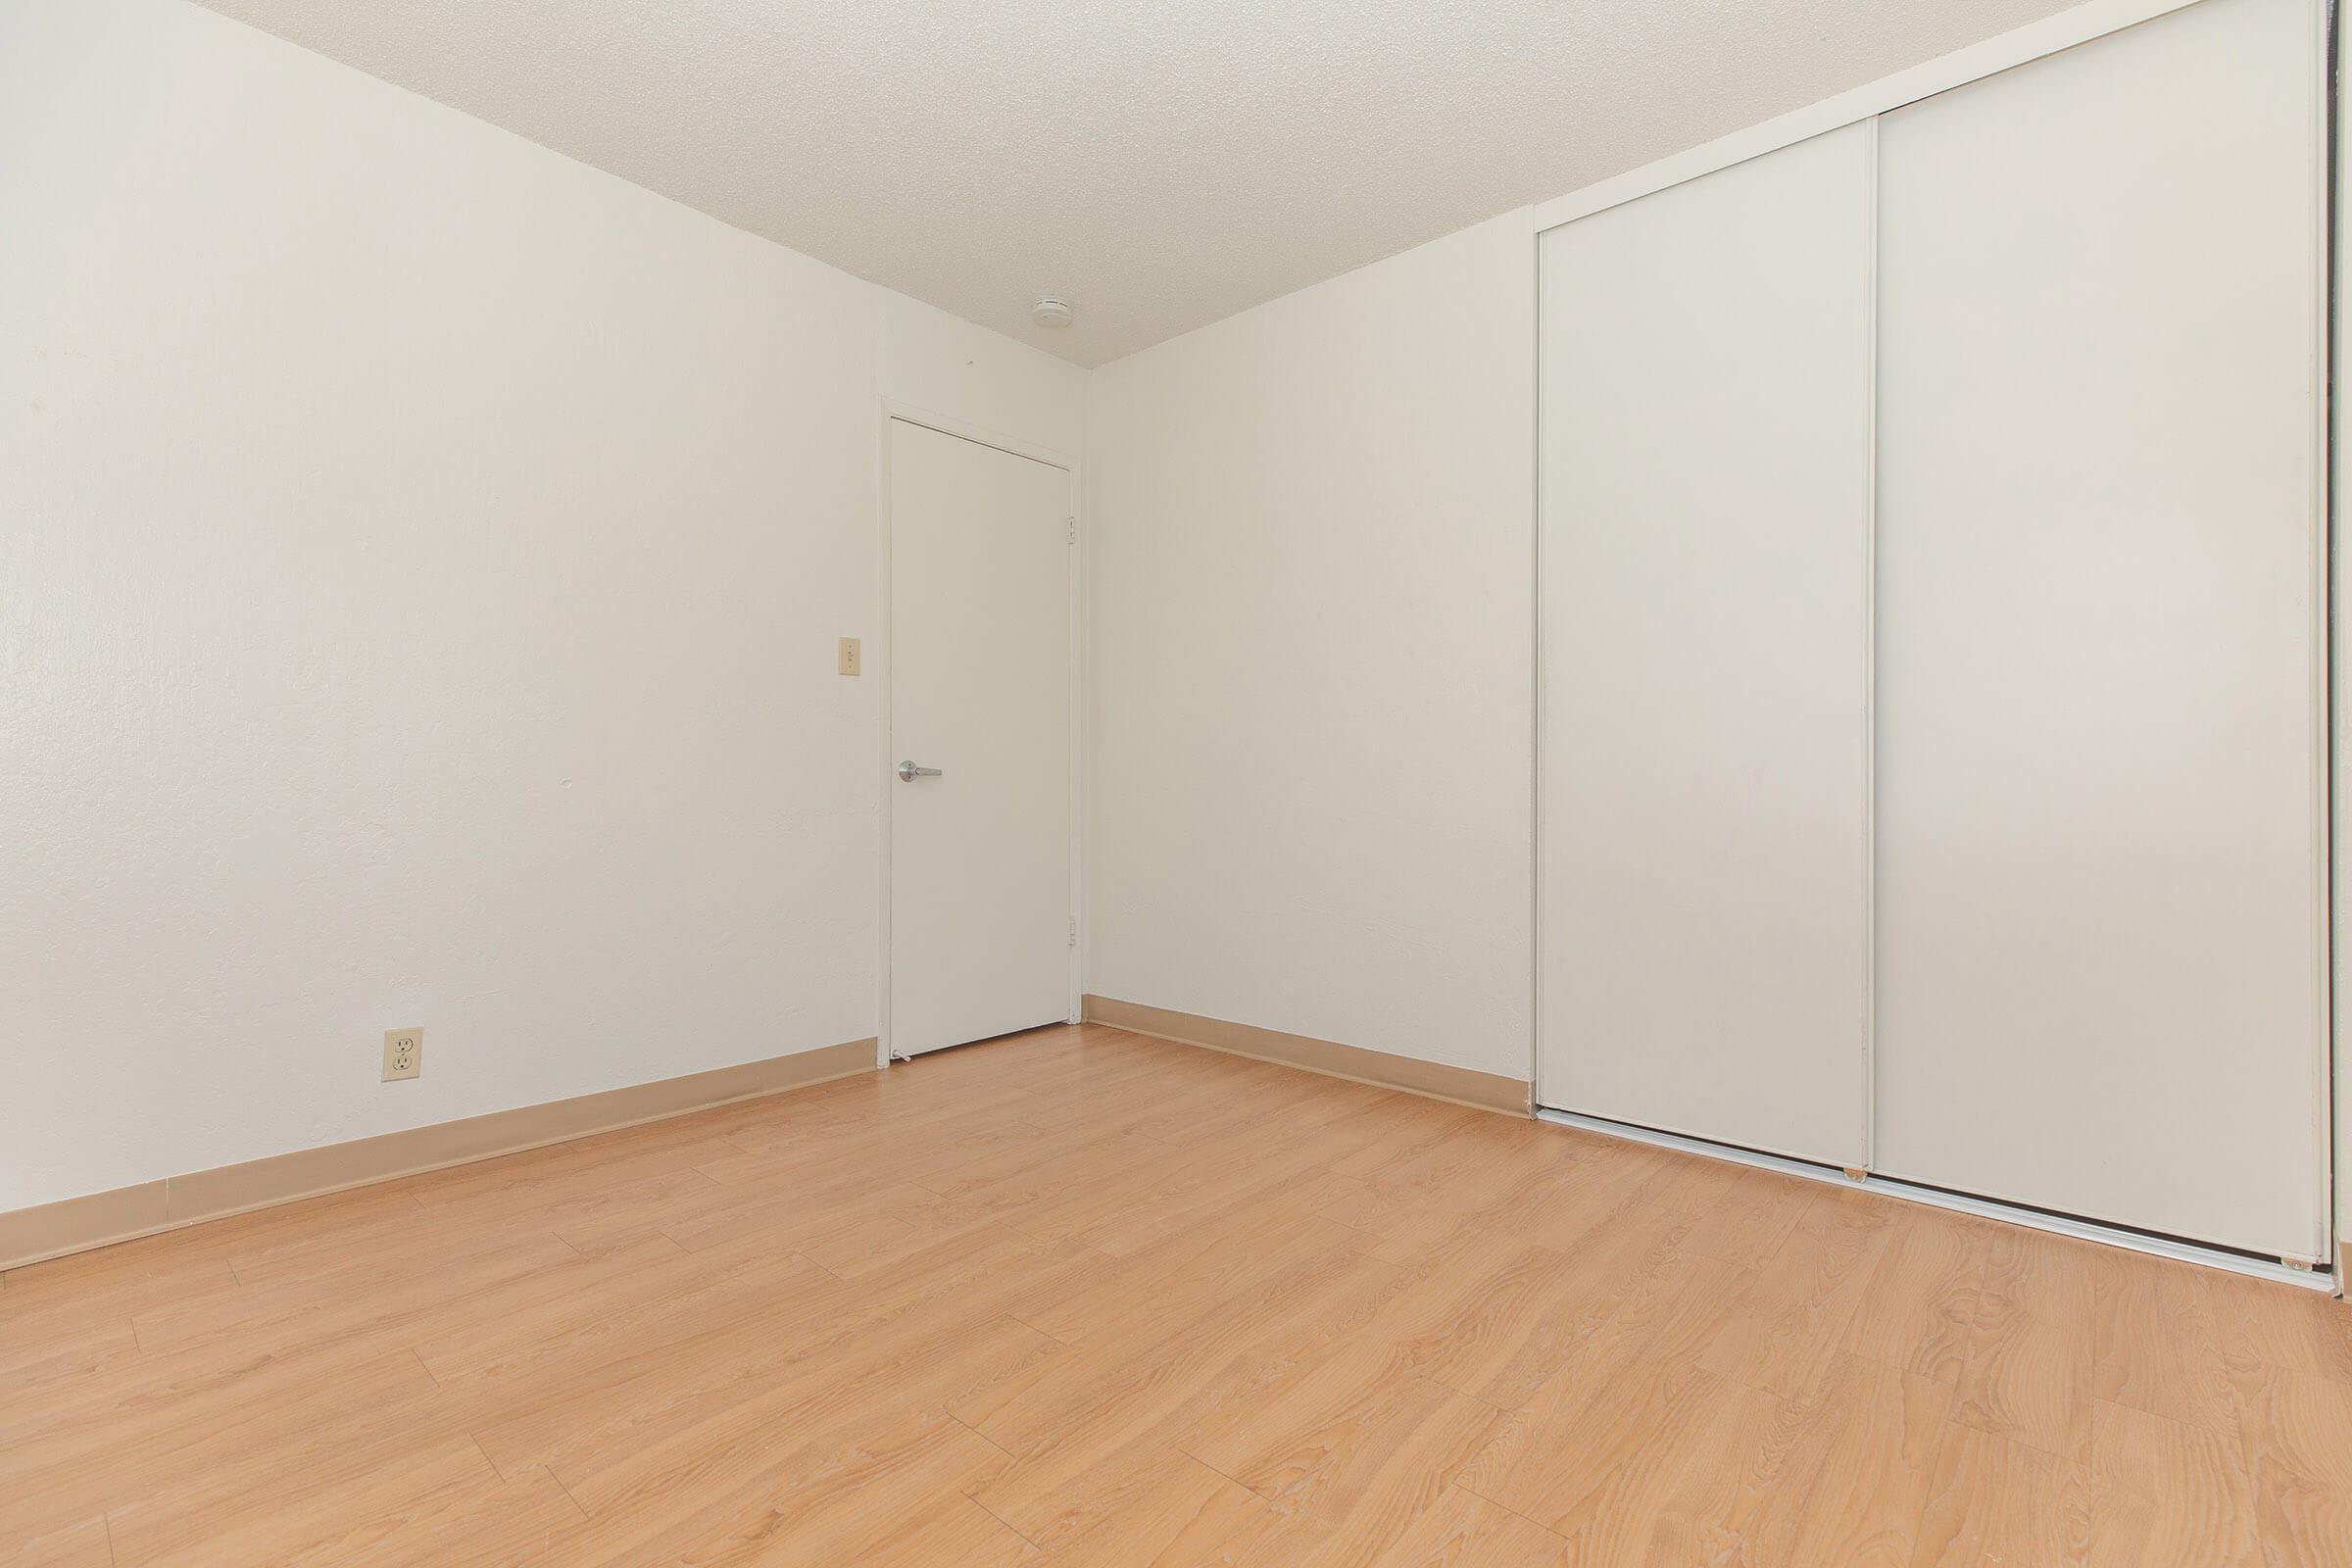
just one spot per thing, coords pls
(894, 411)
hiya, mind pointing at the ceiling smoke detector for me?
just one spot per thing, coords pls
(1049, 312)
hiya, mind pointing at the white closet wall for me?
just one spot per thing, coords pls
(2100, 634)
(1997, 863)
(1705, 593)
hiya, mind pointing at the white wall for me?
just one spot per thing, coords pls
(421, 557)
(939, 364)
(1309, 659)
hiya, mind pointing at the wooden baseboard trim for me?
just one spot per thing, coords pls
(78, 1224)
(1463, 1085)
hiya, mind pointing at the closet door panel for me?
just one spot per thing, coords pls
(2099, 700)
(1704, 582)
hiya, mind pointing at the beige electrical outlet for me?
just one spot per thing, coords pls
(849, 656)
(404, 1053)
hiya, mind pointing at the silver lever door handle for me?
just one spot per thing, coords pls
(909, 772)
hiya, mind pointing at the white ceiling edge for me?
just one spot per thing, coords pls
(1162, 166)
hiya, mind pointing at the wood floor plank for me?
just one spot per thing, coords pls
(2167, 1495)
(715, 1455)
(86, 1545)
(1679, 1447)
(1280, 1442)
(1597, 1439)
(2160, 1343)
(1239, 1190)
(1863, 1505)
(389, 1298)
(944, 1527)
(1537, 1306)
(1995, 1501)
(1920, 1307)
(814, 1500)
(2296, 1437)
(64, 1346)
(2263, 1326)
(2032, 1350)
(1408, 1219)
(1787, 1332)
(1462, 1529)
(1349, 1477)
(1158, 1291)
(422, 1504)
(666, 1291)
(38, 1535)
(754, 1329)
(1089, 1425)
(46, 1301)
(1087, 1298)
(175, 1416)
(663, 1428)
(1722, 1210)
(1179, 1513)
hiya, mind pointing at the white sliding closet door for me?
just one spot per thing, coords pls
(2100, 699)
(1704, 548)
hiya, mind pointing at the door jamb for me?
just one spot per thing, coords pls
(894, 409)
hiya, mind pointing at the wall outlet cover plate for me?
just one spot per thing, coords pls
(404, 1053)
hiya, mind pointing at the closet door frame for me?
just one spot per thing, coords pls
(2065, 30)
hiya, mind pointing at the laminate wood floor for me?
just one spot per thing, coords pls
(1084, 1297)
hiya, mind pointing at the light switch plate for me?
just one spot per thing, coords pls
(404, 1053)
(849, 656)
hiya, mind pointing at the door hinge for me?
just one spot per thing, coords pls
(1072, 524)
(1073, 930)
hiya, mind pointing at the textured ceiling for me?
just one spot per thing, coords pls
(1158, 163)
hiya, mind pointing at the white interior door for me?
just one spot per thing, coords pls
(1704, 542)
(2099, 679)
(981, 934)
